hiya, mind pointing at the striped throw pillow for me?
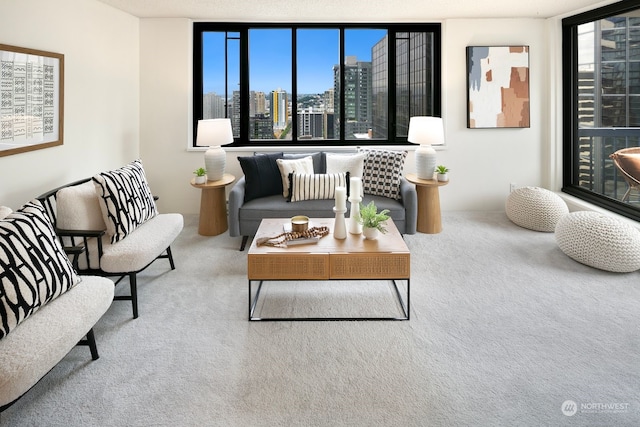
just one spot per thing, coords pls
(309, 186)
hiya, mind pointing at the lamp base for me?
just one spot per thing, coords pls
(425, 161)
(215, 160)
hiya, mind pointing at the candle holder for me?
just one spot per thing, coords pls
(354, 215)
(339, 226)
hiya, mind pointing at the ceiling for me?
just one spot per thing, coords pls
(348, 10)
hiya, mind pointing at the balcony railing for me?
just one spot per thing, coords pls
(595, 170)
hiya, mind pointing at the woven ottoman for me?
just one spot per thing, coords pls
(599, 241)
(535, 208)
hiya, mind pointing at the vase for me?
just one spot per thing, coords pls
(443, 177)
(201, 179)
(370, 233)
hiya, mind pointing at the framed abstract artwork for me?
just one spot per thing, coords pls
(497, 87)
(31, 99)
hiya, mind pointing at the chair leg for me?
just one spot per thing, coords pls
(170, 256)
(91, 341)
(244, 242)
(134, 294)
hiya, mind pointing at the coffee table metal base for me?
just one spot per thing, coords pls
(405, 307)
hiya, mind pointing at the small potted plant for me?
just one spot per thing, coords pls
(442, 173)
(372, 221)
(201, 175)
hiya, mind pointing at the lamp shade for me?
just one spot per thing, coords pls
(426, 131)
(213, 133)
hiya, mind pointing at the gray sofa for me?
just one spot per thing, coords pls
(245, 217)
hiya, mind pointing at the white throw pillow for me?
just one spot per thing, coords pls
(352, 163)
(78, 208)
(287, 166)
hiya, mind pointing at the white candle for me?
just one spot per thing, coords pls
(355, 187)
(341, 198)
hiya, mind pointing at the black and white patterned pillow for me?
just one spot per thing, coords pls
(382, 172)
(126, 201)
(309, 186)
(34, 269)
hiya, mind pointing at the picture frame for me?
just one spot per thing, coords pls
(31, 99)
(498, 87)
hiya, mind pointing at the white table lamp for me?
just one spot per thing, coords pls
(214, 133)
(426, 131)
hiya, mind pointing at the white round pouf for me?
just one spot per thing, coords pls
(535, 208)
(599, 241)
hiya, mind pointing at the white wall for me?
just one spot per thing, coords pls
(101, 115)
(483, 162)
(128, 95)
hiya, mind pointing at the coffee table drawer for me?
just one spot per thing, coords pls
(370, 266)
(284, 266)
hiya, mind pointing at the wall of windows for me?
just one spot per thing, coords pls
(601, 80)
(316, 84)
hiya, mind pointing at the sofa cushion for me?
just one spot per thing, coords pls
(305, 186)
(78, 208)
(262, 175)
(143, 245)
(382, 172)
(34, 269)
(288, 166)
(125, 199)
(34, 348)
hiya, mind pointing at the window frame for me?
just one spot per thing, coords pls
(243, 30)
(570, 132)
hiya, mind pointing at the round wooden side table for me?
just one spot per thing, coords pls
(213, 205)
(429, 216)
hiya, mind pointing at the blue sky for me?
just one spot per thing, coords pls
(270, 58)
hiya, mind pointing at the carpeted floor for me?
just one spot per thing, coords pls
(504, 329)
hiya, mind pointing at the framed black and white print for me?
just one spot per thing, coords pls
(31, 99)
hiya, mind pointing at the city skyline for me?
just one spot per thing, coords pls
(270, 48)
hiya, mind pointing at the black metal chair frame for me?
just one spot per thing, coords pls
(80, 238)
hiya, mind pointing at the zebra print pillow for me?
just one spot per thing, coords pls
(125, 199)
(34, 269)
(309, 186)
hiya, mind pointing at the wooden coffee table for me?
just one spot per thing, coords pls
(354, 258)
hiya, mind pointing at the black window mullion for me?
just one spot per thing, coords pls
(244, 85)
(391, 86)
(342, 86)
(294, 85)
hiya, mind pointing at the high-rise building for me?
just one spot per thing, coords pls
(414, 72)
(310, 123)
(380, 89)
(328, 100)
(279, 109)
(260, 127)
(357, 92)
(261, 103)
(212, 106)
